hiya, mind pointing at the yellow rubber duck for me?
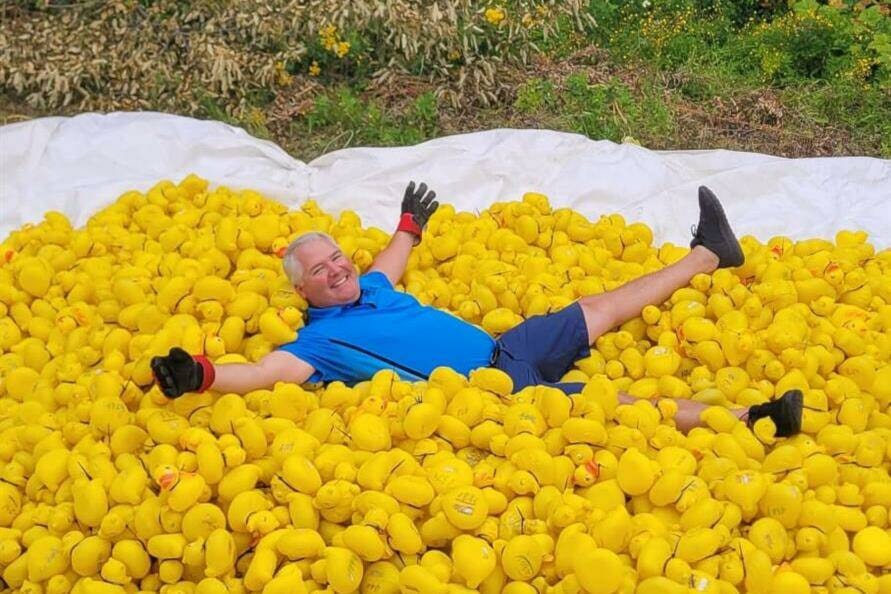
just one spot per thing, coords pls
(403, 535)
(369, 432)
(447, 472)
(439, 564)
(598, 571)
(660, 361)
(871, 544)
(243, 506)
(299, 474)
(300, 543)
(183, 488)
(334, 499)
(90, 502)
(474, 559)
(274, 329)
(33, 275)
(521, 557)
(45, 558)
(421, 420)
(636, 473)
(88, 554)
(260, 569)
(238, 480)
(413, 490)
(465, 507)
(219, 553)
(133, 557)
(184, 265)
(437, 531)
(416, 578)
(343, 570)
(365, 541)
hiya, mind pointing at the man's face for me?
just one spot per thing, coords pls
(329, 277)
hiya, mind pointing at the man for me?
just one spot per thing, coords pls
(360, 325)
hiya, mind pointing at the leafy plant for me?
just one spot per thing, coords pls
(535, 94)
(611, 110)
(343, 118)
(818, 41)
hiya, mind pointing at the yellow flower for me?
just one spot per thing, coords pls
(314, 69)
(256, 117)
(282, 76)
(328, 35)
(495, 15)
(342, 49)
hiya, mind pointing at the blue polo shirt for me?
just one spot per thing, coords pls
(387, 329)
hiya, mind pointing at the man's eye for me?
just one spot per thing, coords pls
(338, 256)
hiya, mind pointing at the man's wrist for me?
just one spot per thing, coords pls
(408, 224)
(208, 373)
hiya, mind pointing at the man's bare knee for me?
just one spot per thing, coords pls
(599, 316)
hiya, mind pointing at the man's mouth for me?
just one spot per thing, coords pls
(339, 282)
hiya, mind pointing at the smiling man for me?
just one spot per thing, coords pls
(359, 325)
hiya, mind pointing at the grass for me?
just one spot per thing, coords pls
(752, 75)
(865, 114)
(343, 117)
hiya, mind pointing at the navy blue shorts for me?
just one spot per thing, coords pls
(542, 349)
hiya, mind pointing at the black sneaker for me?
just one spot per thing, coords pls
(785, 412)
(714, 233)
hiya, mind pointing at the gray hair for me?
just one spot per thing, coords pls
(290, 262)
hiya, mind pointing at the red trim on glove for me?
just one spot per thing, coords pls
(408, 224)
(209, 372)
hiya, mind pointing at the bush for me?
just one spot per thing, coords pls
(671, 33)
(168, 54)
(816, 41)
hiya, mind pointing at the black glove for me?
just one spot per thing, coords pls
(417, 208)
(179, 372)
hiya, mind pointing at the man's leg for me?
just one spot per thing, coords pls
(608, 310)
(689, 414)
(714, 246)
(785, 411)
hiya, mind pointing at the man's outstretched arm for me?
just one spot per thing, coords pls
(393, 259)
(179, 373)
(277, 366)
(417, 208)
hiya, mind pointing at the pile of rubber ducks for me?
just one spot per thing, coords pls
(454, 485)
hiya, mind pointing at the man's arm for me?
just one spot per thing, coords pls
(417, 208)
(277, 366)
(178, 373)
(393, 258)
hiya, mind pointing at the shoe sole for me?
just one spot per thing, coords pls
(794, 405)
(727, 234)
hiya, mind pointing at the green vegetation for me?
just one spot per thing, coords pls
(797, 77)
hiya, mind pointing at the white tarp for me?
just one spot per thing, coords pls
(77, 165)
